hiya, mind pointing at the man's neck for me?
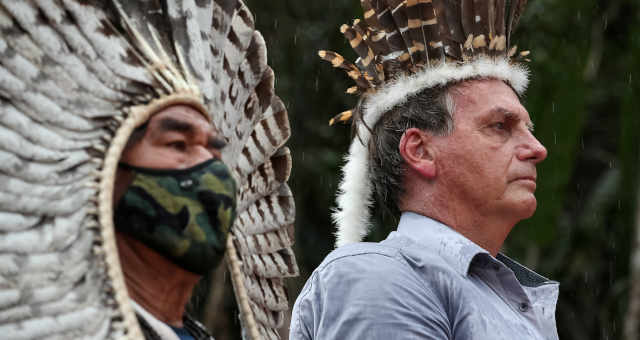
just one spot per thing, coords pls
(489, 232)
(489, 236)
(155, 283)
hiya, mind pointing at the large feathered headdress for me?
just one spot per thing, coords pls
(404, 47)
(76, 77)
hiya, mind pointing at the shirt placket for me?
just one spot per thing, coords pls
(520, 300)
(544, 299)
(505, 285)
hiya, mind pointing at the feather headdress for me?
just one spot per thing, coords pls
(76, 77)
(404, 47)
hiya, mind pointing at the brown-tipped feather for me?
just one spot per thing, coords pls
(454, 35)
(352, 90)
(441, 37)
(361, 79)
(517, 13)
(500, 28)
(516, 9)
(342, 117)
(370, 16)
(359, 44)
(352, 70)
(378, 42)
(384, 21)
(499, 23)
(429, 27)
(414, 18)
(336, 60)
(466, 8)
(482, 25)
(399, 14)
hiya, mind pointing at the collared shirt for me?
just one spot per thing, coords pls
(425, 281)
(154, 329)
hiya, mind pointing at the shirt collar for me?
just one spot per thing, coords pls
(457, 250)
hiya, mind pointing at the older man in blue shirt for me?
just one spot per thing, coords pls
(458, 163)
(440, 275)
(445, 144)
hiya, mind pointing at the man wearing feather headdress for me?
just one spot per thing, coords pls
(140, 142)
(174, 205)
(444, 143)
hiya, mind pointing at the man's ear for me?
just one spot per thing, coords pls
(418, 153)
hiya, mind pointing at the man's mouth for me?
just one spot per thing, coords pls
(526, 180)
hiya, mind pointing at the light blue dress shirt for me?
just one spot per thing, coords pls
(425, 281)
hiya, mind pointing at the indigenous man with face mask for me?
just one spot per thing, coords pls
(140, 143)
(445, 144)
(175, 202)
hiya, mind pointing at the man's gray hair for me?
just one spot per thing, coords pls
(430, 110)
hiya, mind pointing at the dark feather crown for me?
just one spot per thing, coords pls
(405, 36)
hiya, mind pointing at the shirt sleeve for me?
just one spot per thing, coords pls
(368, 296)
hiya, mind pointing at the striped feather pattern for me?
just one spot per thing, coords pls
(399, 37)
(68, 71)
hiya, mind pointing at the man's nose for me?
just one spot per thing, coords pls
(199, 155)
(531, 149)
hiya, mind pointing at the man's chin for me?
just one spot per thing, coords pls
(527, 207)
(521, 206)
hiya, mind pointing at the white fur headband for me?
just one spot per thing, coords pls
(354, 195)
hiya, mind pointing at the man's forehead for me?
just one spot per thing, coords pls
(487, 97)
(475, 89)
(181, 118)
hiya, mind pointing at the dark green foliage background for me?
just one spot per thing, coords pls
(583, 99)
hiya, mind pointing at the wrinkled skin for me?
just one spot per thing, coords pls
(489, 161)
(481, 178)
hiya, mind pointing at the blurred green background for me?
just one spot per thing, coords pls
(583, 99)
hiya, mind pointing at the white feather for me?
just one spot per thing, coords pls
(399, 90)
(354, 197)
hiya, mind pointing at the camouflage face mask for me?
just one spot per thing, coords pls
(184, 215)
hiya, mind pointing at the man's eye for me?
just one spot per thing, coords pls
(179, 145)
(500, 126)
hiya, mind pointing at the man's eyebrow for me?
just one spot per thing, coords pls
(512, 116)
(175, 125)
(169, 124)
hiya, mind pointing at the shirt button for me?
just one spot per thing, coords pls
(524, 307)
